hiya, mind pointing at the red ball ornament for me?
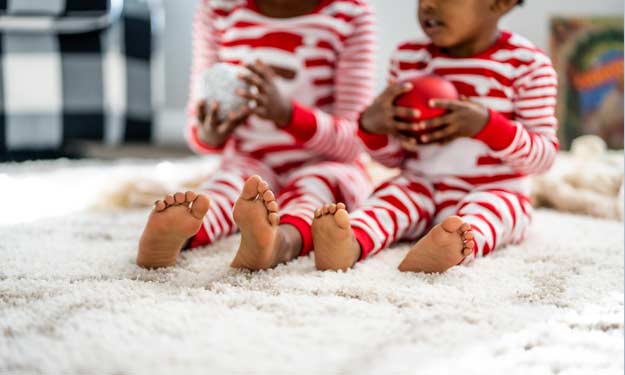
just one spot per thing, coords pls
(425, 88)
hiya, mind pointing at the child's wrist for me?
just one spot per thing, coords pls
(363, 124)
(483, 124)
(211, 140)
(498, 133)
(285, 116)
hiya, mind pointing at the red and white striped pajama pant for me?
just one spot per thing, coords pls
(299, 193)
(406, 207)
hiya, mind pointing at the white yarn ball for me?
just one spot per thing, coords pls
(220, 83)
(588, 147)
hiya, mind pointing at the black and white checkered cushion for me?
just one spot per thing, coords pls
(55, 7)
(73, 71)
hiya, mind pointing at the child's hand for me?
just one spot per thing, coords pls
(213, 132)
(465, 119)
(383, 117)
(269, 104)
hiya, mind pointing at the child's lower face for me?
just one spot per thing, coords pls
(456, 23)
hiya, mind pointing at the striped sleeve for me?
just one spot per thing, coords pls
(204, 54)
(334, 135)
(529, 143)
(385, 149)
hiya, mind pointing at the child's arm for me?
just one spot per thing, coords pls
(334, 135)
(384, 149)
(380, 125)
(530, 143)
(204, 56)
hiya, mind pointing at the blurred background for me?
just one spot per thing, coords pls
(109, 78)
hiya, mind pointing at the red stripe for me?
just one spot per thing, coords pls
(200, 239)
(506, 200)
(379, 225)
(365, 241)
(487, 248)
(488, 160)
(480, 180)
(303, 228)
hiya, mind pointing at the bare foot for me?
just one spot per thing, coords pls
(256, 214)
(172, 222)
(446, 245)
(336, 247)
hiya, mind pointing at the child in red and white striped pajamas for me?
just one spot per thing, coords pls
(464, 173)
(312, 63)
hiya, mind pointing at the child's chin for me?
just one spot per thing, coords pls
(440, 41)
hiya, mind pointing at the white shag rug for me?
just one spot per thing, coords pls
(72, 300)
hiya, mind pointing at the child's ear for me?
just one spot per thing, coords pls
(502, 7)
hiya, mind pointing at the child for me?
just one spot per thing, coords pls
(311, 62)
(466, 171)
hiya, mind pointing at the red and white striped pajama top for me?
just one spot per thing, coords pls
(324, 61)
(483, 179)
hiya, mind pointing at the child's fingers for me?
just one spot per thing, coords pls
(266, 69)
(258, 69)
(212, 120)
(234, 119)
(248, 94)
(445, 141)
(406, 139)
(255, 80)
(405, 112)
(393, 91)
(439, 135)
(260, 100)
(407, 126)
(260, 111)
(256, 99)
(201, 111)
(413, 147)
(409, 143)
(436, 122)
(449, 104)
(400, 88)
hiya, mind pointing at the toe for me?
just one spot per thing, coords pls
(341, 217)
(452, 224)
(272, 206)
(468, 235)
(250, 188)
(468, 248)
(169, 200)
(465, 227)
(325, 209)
(318, 212)
(200, 206)
(189, 196)
(263, 187)
(159, 206)
(341, 206)
(332, 209)
(273, 218)
(179, 197)
(268, 196)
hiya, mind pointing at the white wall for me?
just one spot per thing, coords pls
(396, 22)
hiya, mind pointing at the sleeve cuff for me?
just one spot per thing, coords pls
(499, 132)
(201, 146)
(372, 141)
(303, 124)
